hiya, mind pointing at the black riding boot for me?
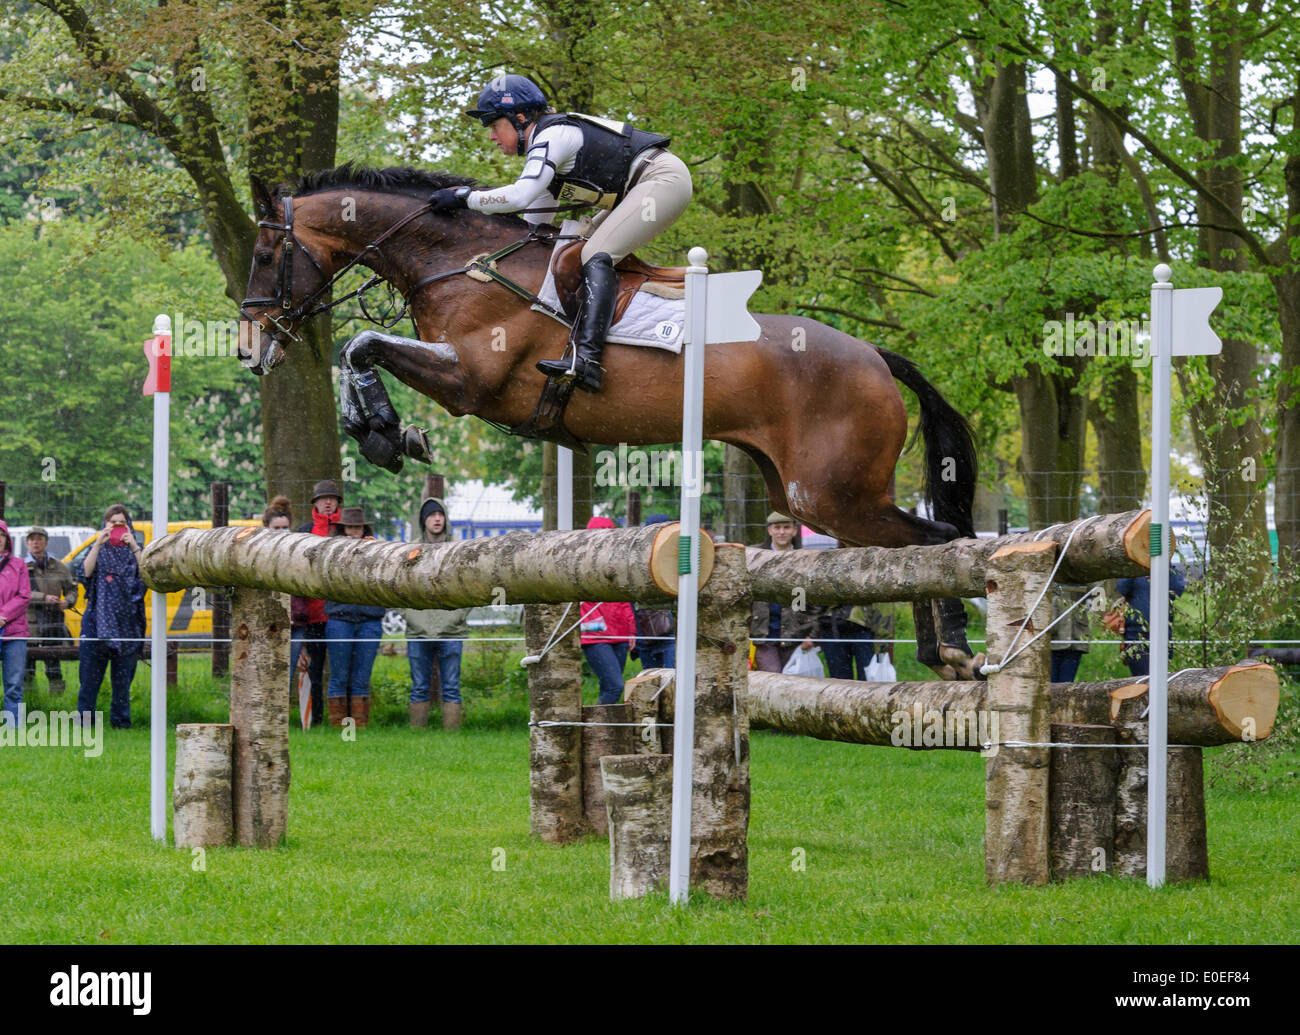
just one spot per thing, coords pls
(599, 291)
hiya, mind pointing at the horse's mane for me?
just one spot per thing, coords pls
(398, 179)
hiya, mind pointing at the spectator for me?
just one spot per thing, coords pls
(307, 615)
(846, 643)
(53, 592)
(1136, 595)
(15, 592)
(653, 626)
(277, 515)
(608, 630)
(1070, 638)
(112, 625)
(774, 622)
(353, 632)
(435, 636)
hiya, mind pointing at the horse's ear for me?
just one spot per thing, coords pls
(261, 197)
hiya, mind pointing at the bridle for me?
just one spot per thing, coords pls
(291, 314)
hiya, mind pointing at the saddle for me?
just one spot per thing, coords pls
(633, 276)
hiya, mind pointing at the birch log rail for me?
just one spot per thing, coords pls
(1103, 547)
(619, 564)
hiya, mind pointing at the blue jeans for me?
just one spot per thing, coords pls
(659, 654)
(350, 663)
(420, 654)
(94, 657)
(13, 664)
(841, 656)
(1065, 665)
(607, 661)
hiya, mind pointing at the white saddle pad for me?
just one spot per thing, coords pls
(649, 320)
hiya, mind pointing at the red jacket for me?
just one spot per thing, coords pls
(607, 622)
(308, 610)
(618, 620)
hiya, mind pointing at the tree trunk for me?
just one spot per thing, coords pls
(259, 712)
(1103, 547)
(1287, 286)
(1121, 471)
(745, 498)
(1053, 426)
(202, 811)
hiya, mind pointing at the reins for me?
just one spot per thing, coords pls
(481, 268)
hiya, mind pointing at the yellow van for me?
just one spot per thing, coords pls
(189, 611)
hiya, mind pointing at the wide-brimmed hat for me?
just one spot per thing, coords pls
(777, 518)
(351, 516)
(326, 487)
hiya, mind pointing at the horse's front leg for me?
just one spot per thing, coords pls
(368, 413)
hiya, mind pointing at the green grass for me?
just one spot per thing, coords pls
(392, 838)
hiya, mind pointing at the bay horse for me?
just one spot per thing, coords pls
(817, 409)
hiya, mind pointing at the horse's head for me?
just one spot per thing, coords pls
(284, 284)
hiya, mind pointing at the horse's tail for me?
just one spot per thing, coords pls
(951, 466)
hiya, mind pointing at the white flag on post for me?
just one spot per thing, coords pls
(727, 317)
(1192, 335)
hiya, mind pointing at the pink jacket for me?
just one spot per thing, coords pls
(15, 593)
(606, 622)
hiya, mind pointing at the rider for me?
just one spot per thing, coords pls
(575, 159)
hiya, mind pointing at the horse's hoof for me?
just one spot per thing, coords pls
(969, 668)
(382, 452)
(415, 444)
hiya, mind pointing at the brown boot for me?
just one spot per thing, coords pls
(361, 710)
(451, 715)
(420, 714)
(338, 710)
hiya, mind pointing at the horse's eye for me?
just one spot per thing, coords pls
(263, 258)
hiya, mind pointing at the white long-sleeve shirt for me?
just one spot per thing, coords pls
(554, 149)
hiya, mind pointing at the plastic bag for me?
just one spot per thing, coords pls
(804, 663)
(880, 669)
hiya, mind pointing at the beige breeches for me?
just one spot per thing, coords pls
(661, 194)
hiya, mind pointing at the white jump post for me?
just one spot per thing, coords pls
(1179, 327)
(158, 384)
(720, 318)
(563, 489)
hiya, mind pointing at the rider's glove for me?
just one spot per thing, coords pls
(449, 198)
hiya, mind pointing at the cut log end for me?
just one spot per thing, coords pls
(664, 557)
(1137, 540)
(1245, 698)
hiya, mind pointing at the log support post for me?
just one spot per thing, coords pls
(1016, 778)
(720, 793)
(1083, 801)
(638, 800)
(202, 811)
(612, 735)
(555, 752)
(259, 712)
(1187, 853)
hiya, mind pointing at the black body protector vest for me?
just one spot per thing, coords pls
(600, 169)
